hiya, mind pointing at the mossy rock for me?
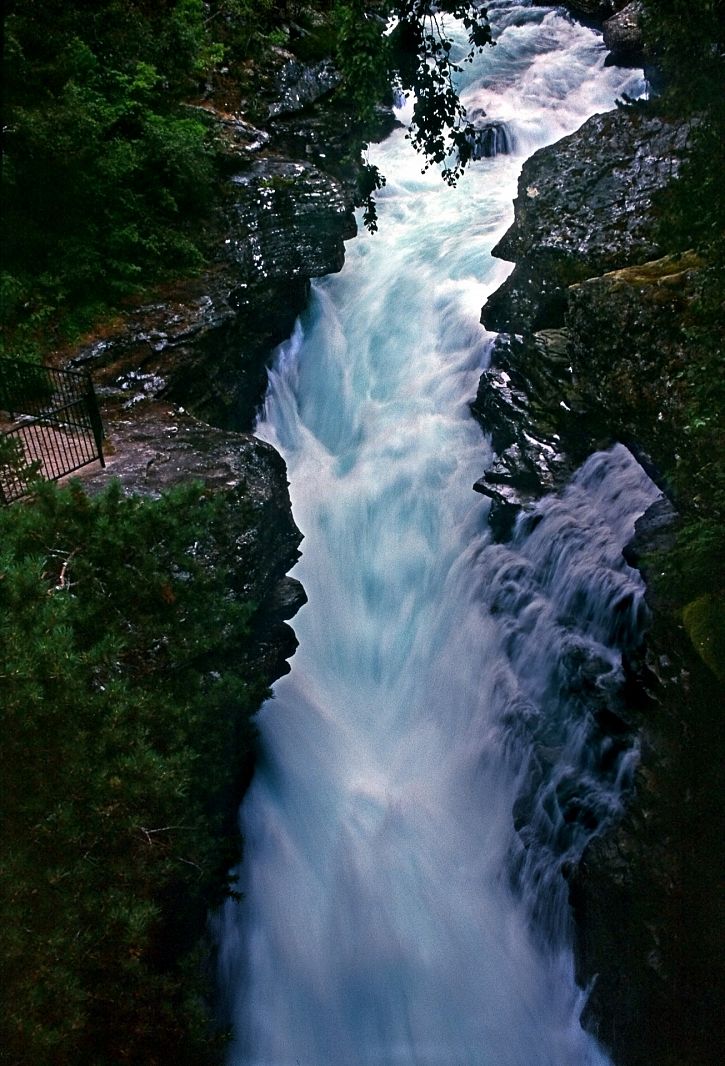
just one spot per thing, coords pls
(704, 620)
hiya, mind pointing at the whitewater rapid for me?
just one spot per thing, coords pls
(391, 914)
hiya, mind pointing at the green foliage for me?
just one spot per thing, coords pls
(417, 57)
(439, 128)
(107, 183)
(105, 179)
(15, 468)
(125, 717)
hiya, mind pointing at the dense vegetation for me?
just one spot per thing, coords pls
(126, 701)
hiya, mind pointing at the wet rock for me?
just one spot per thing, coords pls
(629, 346)
(491, 138)
(584, 206)
(218, 333)
(623, 34)
(326, 137)
(299, 85)
(528, 404)
(288, 220)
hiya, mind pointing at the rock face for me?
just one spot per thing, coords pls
(623, 34)
(609, 169)
(288, 220)
(299, 85)
(584, 206)
(204, 344)
(629, 348)
(527, 402)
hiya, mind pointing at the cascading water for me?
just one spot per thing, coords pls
(390, 909)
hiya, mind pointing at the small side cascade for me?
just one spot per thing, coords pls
(571, 609)
(491, 139)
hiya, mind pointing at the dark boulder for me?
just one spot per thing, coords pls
(299, 85)
(623, 34)
(288, 220)
(584, 205)
(527, 402)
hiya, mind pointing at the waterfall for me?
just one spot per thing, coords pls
(437, 750)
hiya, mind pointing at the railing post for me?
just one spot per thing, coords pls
(95, 417)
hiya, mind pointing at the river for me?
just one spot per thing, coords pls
(435, 754)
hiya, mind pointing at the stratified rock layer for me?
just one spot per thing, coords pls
(288, 220)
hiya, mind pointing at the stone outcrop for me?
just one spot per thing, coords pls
(288, 220)
(610, 169)
(204, 343)
(527, 402)
(623, 34)
(156, 447)
(629, 349)
(299, 85)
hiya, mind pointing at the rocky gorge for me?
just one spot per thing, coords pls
(590, 316)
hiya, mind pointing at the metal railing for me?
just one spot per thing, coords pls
(56, 425)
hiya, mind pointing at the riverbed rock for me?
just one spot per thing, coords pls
(623, 34)
(527, 402)
(584, 206)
